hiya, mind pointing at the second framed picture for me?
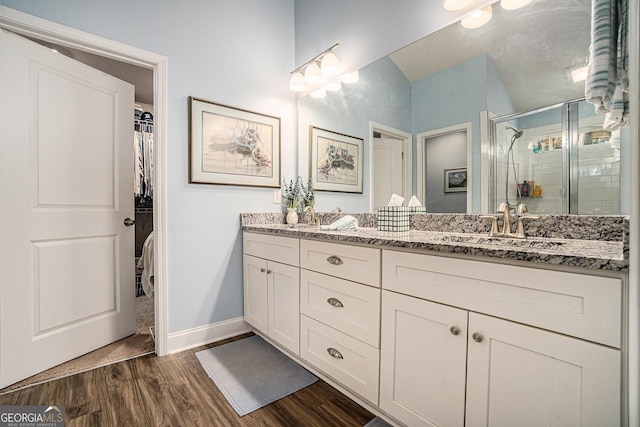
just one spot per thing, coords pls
(336, 161)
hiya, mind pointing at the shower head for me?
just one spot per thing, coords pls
(516, 133)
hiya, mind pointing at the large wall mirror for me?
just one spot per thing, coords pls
(443, 92)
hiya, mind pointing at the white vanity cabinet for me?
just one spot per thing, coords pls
(340, 313)
(453, 328)
(272, 287)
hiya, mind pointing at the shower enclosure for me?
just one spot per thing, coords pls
(563, 161)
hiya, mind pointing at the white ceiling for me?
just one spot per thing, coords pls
(531, 48)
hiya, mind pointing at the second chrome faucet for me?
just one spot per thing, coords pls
(506, 231)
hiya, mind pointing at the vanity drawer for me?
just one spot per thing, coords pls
(345, 261)
(580, 305)
(345, 359)
(277, 248)
(349, 307)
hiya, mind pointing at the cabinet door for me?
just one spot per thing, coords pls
(522, 376)
(284, 305)
(255, 292)
(422, 361)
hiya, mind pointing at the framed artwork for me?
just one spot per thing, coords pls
(336, 161)
(232, 146)
(455, 180)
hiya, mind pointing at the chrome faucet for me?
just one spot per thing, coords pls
(313, 218)
(336, 209)
(505, 209)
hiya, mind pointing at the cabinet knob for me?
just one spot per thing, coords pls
(129, 222)
(268, 271)
(335, 302)
(454, 330)
(334, 353)
(262, 270)
(335, 260)
(477, 337)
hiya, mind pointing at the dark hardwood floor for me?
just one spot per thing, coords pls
(175, 391)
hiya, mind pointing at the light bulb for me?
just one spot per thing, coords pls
(333, 85)
(330, 65)
(296, 83)
(456, 4)
(514, 4)
(312, 74)
(320, 93)
(478, 18)
(350, 77)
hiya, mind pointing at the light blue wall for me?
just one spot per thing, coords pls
(232, 52)
(382, 95)
(451, 97)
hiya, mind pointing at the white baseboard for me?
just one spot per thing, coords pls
(195, 337)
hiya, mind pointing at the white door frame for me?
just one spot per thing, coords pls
(407, 159)
(34, 27)
(421, 166)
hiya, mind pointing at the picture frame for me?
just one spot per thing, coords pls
(232, 146)
(455, 180)
(336, 161)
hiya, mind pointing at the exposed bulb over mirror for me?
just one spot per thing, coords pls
(478, 18)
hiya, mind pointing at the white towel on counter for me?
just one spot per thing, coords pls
(345, 223)
(146, 264)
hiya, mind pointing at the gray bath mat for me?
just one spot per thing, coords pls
(251, 373)
(377, 422)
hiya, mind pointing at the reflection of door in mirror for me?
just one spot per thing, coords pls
(387, 158)
(445, 154)
(570, 164)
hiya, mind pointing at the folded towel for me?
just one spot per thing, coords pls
(345, 223)
(601, 75)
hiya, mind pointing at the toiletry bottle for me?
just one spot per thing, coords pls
(525, 189)
(537, 191)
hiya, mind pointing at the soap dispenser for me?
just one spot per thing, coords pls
(524, 191)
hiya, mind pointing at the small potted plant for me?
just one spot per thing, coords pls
(291, 198)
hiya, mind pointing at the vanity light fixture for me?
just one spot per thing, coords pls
(350, 77)
(321, 74)
(478, 18)
(513, 4)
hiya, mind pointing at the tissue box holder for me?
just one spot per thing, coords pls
(393, 218)
(417, 209)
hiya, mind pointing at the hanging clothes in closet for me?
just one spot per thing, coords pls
(143, 142)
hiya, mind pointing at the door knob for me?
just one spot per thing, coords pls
(129, 222)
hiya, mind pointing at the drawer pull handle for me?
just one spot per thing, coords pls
(335, 302)
(477, 337)
(334, 353)
(335, 260)
(454, 330)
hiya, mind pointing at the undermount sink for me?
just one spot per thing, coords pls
(500, 241)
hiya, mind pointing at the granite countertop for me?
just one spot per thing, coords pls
(608, 255)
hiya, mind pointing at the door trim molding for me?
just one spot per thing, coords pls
(421, 150)
(34, 27)
(407, 161)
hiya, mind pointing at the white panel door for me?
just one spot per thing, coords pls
(387, 163)
(256, 303)
(284, 304)
(66, 180)
(422, 361)
(522, 376)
